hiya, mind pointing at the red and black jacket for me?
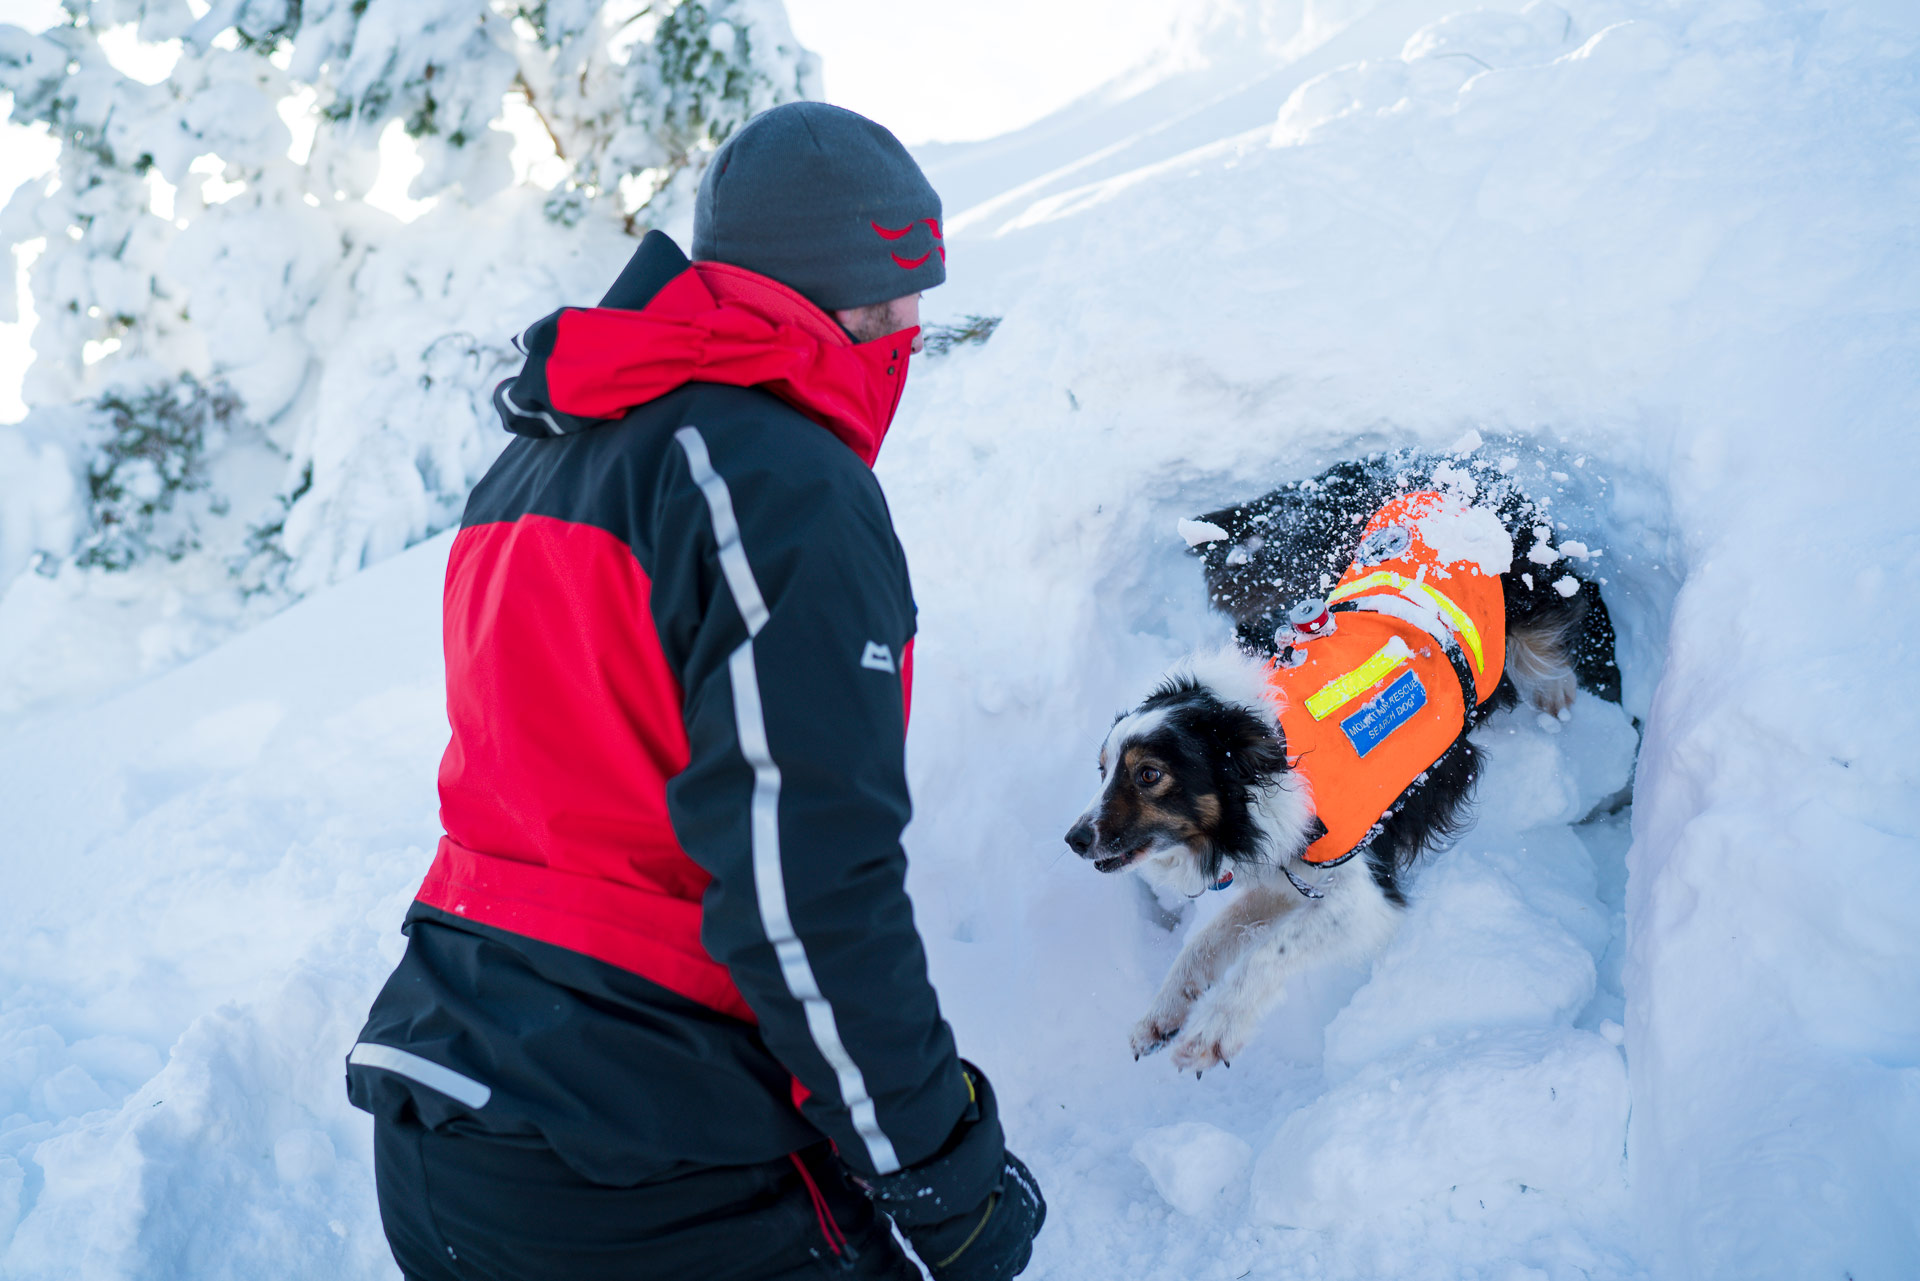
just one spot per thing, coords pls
(667, 926)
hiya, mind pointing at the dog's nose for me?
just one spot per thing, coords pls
(1081, 838)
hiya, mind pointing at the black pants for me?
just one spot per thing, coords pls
(461, 1207)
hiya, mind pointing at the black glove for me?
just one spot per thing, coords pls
(972, 1211)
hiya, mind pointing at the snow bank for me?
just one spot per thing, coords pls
(1493, 1117)
(1476, 1065)
(1655, 257)
(206, 877)
(1663, 245)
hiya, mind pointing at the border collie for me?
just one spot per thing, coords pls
(1198, 790)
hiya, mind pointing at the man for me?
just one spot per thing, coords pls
(663, 1011)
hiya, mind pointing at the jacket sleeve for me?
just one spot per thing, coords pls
(794, 611)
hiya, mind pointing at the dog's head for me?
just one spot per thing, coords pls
(1196, 778)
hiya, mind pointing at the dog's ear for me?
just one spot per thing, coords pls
(1258, 760)
(1251, 749)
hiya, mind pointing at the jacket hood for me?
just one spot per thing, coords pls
(668, 322)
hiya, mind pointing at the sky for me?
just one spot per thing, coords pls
(928, 72)
(956, 73)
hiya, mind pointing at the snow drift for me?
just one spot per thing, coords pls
(1656, 258)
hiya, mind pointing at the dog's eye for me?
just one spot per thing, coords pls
(1147, 776)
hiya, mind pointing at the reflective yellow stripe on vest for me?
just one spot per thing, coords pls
(1340, 691)
(1422, 593)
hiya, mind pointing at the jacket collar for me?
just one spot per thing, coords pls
(667, 322)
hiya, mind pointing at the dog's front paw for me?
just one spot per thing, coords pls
(1216, 1036)
(1154, 1031)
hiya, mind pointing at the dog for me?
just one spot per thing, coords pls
(1382, 609)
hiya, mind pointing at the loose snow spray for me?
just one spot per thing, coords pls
(1458, 530)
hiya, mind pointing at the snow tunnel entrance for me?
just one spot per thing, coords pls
(1477, 1061)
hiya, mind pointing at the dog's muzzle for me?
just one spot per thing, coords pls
(1084, 839)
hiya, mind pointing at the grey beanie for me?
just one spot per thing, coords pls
(824, 201)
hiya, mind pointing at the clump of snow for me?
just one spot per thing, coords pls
(1199, 1168)
(1567, 585)
(1199, 532)
(1458, 483)
(1461, 532)
(1536, 782)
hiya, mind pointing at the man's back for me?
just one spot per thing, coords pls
(663, 974)
(589, 640)
(575, 597)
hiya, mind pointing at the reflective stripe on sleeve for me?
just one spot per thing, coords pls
(769, 877)
(453, 1084)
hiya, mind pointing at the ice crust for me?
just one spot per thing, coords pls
(1657, 257)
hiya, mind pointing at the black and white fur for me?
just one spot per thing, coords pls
(1195, 781)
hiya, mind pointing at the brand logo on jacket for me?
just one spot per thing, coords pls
(878, 658)
(893, 233)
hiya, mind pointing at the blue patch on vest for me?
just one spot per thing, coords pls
(1386, 712)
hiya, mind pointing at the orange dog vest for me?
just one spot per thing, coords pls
(1378, 690)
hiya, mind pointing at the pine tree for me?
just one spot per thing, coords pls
(238, 359)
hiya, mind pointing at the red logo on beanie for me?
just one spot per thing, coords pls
(908, 264)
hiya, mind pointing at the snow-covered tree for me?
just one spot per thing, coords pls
(240, 361)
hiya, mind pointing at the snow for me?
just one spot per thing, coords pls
(205, 912)
(1458, 531)
(342, 263)
(1198, 532)
(1197, 1167)
(1541, 1112)
(1656, 256)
